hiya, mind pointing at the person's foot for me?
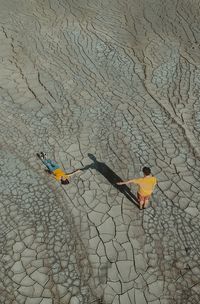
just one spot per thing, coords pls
(43, 155)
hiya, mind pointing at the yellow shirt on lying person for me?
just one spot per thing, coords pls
(59, 173)
(146, 184)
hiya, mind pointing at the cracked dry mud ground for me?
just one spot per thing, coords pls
(118, 80)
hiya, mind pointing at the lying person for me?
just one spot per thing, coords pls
(55, 169)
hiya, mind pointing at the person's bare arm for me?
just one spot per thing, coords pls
(125, 183)
(74, 172)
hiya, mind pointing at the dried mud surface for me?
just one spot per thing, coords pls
(110, 86)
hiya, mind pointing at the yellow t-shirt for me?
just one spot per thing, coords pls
(146, 184)
(58, 173)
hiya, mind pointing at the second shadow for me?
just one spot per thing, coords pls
(112, 177)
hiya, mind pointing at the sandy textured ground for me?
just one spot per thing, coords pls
(110, 86)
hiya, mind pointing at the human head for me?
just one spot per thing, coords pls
(146, 171)
(64, 181)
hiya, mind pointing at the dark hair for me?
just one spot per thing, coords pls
(146, 171)
(64, 182)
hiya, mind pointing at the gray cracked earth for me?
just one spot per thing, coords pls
(120, 81)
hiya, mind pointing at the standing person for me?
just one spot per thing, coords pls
(54, 169)
(145, 184)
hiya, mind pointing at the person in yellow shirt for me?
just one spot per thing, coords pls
(55, 169)
(146, 186)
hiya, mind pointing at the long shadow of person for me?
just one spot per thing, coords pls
(112, 177)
